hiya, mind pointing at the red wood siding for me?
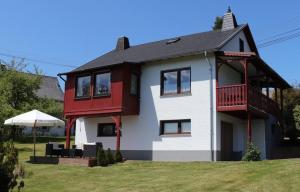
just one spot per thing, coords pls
(117, 102)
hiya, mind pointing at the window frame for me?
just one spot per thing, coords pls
(179, 128)
(138, 84)
(105, 124)
(178, 81)
(76, 86)
(94, 84)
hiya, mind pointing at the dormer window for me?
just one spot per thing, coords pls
(102, 85)
(83, 86)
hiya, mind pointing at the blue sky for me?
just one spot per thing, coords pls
(72, 32)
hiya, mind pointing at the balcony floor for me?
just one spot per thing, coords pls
(242, 113)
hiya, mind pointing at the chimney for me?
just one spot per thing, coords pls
(122, 44)
(229, 21)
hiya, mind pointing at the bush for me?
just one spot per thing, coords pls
(9, 169)
(119, 157)
(101, 157)
(252, 153)
(110, 157)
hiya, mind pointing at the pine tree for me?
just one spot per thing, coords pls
(101, 157)
(218, 23)
(110, 157)
(119, 157)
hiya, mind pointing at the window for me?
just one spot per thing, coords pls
(102, 84)
(241, 43)
(106, 130)
(175, 127)
(134, 84)
(176, 81)
(83, 86)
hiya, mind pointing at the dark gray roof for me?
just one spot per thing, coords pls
(159, 50)
(50, 88)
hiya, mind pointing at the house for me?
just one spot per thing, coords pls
(199, 97)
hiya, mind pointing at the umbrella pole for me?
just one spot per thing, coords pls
(34, 139)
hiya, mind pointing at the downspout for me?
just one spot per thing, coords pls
(211, 107)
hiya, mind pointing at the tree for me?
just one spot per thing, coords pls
(118, 156)
(101, 157)
(110, 157)
(10, 171)
(18, 94)
(290, 110)
(17, 91)
(252, 153)
(297, 116)
(218, 23)
(49, 106)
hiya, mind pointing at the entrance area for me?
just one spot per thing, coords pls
(226, 141)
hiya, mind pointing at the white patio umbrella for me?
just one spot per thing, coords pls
(35, 119)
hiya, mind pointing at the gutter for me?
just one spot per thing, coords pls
(60, 76)
(211, 107)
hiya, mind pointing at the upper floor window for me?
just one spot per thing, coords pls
(102, 84)
(83, 86)
(241, 44)
(134, 84)
(176, 81)
(175, 127)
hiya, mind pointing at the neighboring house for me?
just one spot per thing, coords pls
(51, 89)
(191, 98)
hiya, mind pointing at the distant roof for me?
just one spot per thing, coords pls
(165, 49)
(50, 88)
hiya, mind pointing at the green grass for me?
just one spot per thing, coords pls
(133, 176)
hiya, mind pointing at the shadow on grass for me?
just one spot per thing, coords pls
(24, 149)
(43, 139)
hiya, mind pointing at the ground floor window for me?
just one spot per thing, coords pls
(106, 130)
(182, 126)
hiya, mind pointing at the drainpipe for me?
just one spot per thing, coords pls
(211, 107)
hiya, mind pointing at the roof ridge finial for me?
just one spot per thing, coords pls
(229, 9)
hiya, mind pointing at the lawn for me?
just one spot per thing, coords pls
(277, 175)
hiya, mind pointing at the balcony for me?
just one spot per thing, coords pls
(241, 97)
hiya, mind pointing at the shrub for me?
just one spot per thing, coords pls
(110, 157)
(119, 157)
(252, 153)
(9, 169)
(101, 157)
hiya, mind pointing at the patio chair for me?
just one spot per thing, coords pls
(90, 150)
(53, 148)
(75, 152)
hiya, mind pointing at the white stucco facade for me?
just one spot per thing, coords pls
(141, 132)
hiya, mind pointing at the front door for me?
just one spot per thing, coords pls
(226, 141)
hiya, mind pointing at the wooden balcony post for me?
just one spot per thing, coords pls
(281, 99)
(245, 64)
(117, 120)
(249, 128)
(276, 96)
(69, 125)
(217, 81)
